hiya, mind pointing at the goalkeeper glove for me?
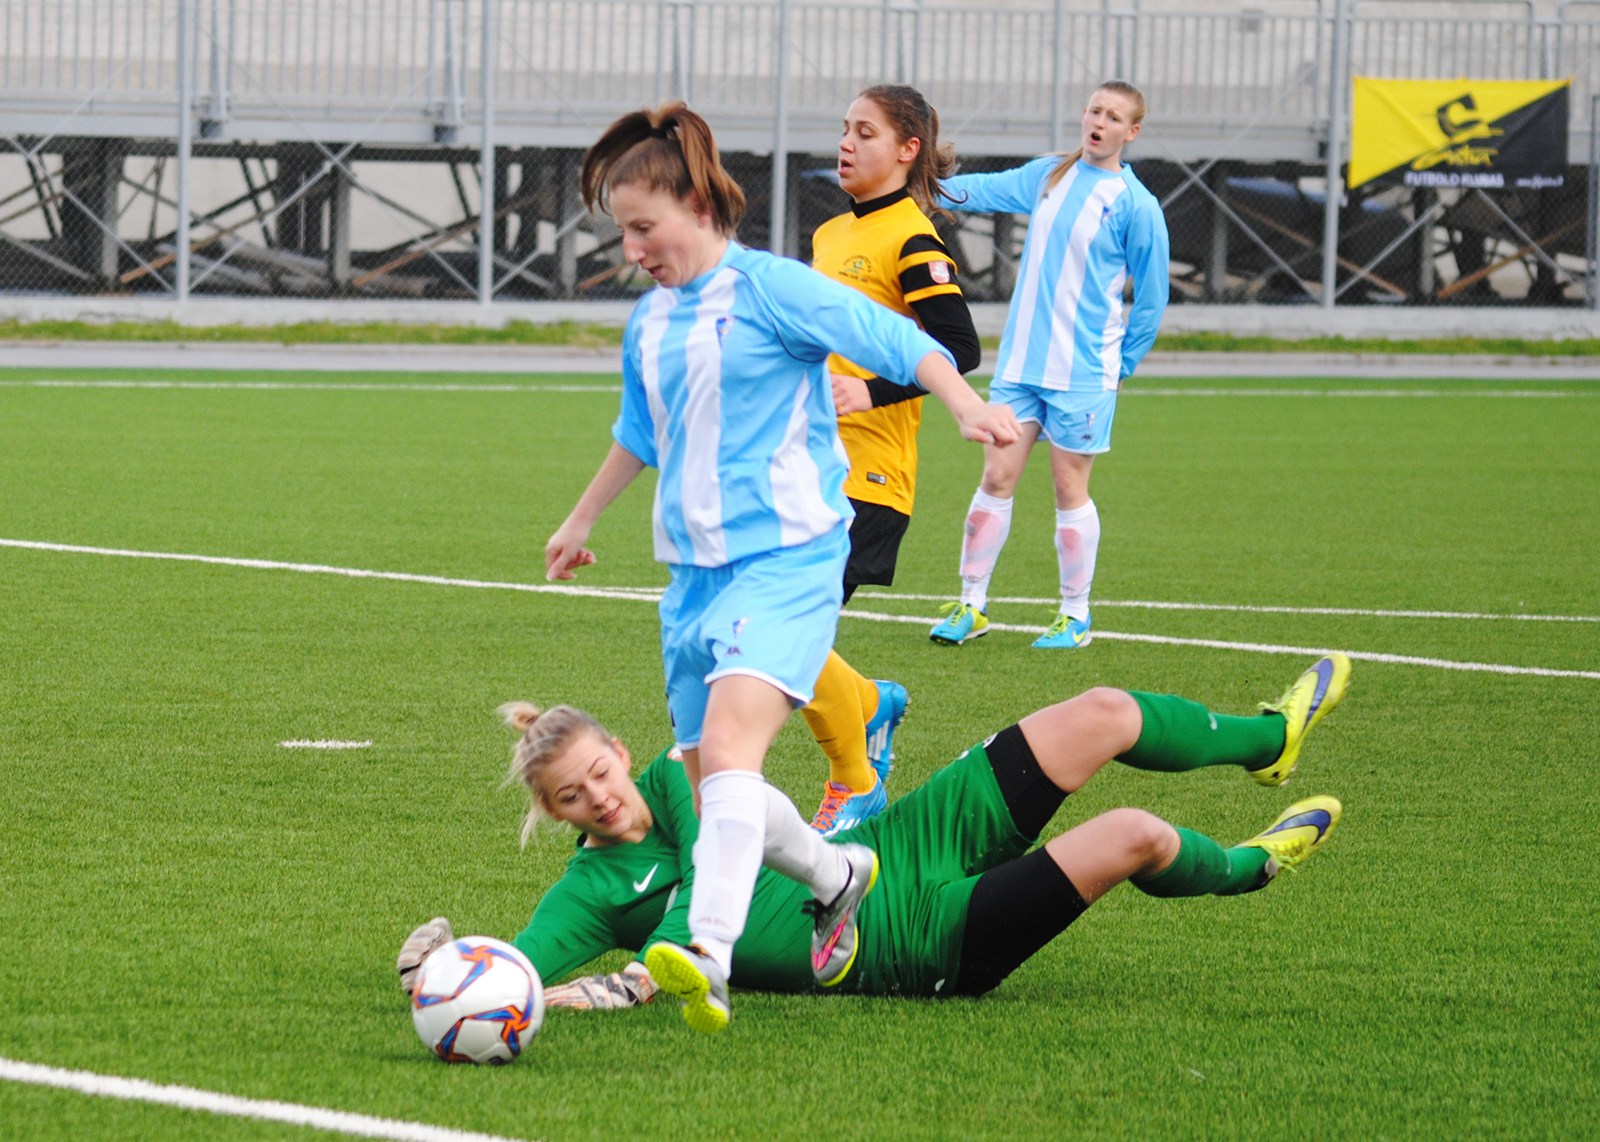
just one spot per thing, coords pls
(418, 947)
(627, 988)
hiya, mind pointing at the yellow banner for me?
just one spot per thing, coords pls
(1459, 132)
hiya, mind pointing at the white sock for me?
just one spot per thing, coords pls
(798, 851)
(1077, 542)
(727, 857)
(988, 524)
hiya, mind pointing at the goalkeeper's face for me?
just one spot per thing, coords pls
(587, 786)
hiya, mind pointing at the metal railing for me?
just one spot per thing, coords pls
(771, 75)
(1000, 74)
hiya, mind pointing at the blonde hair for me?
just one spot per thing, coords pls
(670, 149)
(1120, 87)
(545, 737)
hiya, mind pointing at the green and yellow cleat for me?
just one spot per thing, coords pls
(1299, 831)
(695, 978)
(1310, 699)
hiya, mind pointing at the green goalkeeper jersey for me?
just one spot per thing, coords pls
(933, 844)
(633, 895)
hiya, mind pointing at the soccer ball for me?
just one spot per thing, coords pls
(477, 1000)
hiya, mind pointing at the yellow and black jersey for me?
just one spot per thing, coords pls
(888, 249)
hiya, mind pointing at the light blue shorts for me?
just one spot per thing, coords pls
(771, 616)
(1073, 422)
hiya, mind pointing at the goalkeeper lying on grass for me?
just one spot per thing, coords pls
(960, 901)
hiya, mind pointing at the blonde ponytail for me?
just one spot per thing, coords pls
(545, 737)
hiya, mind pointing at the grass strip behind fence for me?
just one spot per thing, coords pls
(582, 334)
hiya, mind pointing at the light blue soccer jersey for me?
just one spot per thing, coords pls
(1092, 232)
(725, 390)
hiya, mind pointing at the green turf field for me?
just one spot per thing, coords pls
(186, 902)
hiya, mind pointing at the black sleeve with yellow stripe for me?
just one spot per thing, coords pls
(928, 282)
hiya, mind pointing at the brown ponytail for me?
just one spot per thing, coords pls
(912, 117)
(670, 149)
(545, 736)
(1121, 87)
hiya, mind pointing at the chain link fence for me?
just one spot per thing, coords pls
(430, 148)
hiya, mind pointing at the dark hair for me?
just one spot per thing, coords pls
(669, 149)
(912, 117)
(1121, 87)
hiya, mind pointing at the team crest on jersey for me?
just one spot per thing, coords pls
(939, 272)
(858, 267)
(724, 323)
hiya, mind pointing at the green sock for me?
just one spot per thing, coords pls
(1204, 867)
(1180, 735)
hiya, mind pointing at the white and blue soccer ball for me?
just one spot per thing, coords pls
(477, 1000)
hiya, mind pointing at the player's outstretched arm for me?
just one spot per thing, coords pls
(1015, 191)
(979, 420)
(565, 552)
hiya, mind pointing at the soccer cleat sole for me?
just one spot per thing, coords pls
(1299, 831)
(1332, 683)
(676, 975)
(975, 632)
(1040, 644)
(844, 972)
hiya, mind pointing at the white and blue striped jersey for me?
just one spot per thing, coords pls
(1087, 237)
(725, 391)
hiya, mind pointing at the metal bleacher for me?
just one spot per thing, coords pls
(105, 101)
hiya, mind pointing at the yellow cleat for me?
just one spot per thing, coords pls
(1310, 699)
(1301, 830)
(695, 978)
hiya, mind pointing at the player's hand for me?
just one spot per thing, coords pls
(991, 424)
(418, 947)
(849, 394)
(629, 987)
(565, 552)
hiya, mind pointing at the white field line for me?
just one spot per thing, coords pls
(1151, 606)
(348, 572)
(190, 1098)
(647, 594)
(304, 743)
(314, 385)
(289, 386)
(1261, 648)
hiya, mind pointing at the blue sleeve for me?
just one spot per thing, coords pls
(634, 429)
(815, 316)
(1147, 253)
(1015, 191)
